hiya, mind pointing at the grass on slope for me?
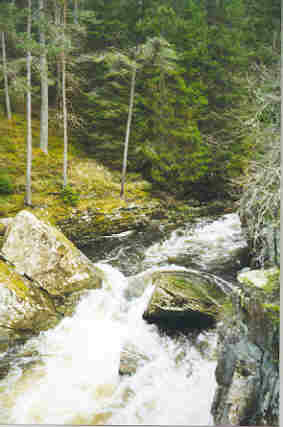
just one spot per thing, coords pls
(94, 185)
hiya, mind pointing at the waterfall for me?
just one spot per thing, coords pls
(73, 375)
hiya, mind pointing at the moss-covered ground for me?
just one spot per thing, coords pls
(91, 202)
(90, 184)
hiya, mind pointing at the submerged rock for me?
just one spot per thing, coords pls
(130, 360)
(184, 300)
(45, 255)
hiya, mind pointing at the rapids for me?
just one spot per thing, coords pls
(70, 374)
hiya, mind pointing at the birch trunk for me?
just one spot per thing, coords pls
(123, 179)
(5, 75)
(57, 21)
(44, 83)
(29, 134)
(76, 11)
(65, 162)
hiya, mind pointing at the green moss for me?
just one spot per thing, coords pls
(13, 281)
(70, 196)
(187, 293)
(6, 186)
(273, 313)
(2, 227)
(194, 287)
(97, 186)
(272, 286)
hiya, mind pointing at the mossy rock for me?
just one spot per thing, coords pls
(264, 279)
(184, 300)
(4, 222)
(24, 308)
(261, 294)
(45, 255)
(2, 229)
(84, 227)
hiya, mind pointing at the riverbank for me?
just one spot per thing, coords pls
(90, 206)
(122, 300)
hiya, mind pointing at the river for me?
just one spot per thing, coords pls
(70, 374)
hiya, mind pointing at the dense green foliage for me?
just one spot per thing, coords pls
(191, 97)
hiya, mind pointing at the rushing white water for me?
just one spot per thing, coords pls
(217, 241)
(77, 380)
(76, 377)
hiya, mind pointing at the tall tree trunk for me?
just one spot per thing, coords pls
(125, 159)
(65, 162)
(162, 92)
(57, 21)
(5, 75)
(29, 134)
(76, 11)
(44, 82)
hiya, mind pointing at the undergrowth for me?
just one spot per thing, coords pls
(90, 184)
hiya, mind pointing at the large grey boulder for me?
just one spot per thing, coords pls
(44, 254)
(248, 382)
(42, 277)
(247, 371)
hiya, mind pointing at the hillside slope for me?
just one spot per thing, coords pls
(91, 185)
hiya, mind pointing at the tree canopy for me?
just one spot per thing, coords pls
(190, 99)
